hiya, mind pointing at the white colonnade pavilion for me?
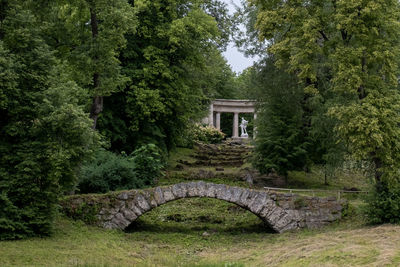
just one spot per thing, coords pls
(236, 107)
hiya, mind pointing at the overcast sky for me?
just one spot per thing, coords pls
(236, 59)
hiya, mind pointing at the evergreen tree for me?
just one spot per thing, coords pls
(281, 143)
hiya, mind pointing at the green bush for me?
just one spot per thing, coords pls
(148, 162)
(384, 204)
(110, 172)
(199, 133)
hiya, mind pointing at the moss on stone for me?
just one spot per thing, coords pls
(84, 211)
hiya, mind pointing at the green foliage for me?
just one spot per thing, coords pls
(384, 204)
(356, 44)
(148, 162)
(110, 172)
(107, 172)
(247, 83)
(215, 78)
(174, 68)
(84, 212)
(299, 202)
(281, 145)
(44, 131)
(89, 53)
(199, 133)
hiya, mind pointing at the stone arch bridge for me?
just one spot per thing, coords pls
(281, 212)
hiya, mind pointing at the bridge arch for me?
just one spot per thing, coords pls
(281, 212)
(133, 204)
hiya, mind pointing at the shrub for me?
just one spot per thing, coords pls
(384, 204)
(148, 163)
(199, 133)
(110, 172)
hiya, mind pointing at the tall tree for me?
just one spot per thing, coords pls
(282, 141)
(89, 34)
(359, 42)
(44, 132)
(165, 60)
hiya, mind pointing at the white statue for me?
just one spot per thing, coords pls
(243, 126)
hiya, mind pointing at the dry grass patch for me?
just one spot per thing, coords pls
(367, 246)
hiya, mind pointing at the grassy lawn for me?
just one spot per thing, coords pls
(197, 236)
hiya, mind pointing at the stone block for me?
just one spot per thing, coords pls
(269, 206)
(291, 226)
(136, 210)
(141, 202)
(167, 194)
(129, 215)
(220, 191)
(236, 192)
(123, 196)
(323, 200)
(110, 225)
(192, 189)
(113, 210)
(285, 205)
(296, 215)
(258, 203)
(179, 190)
(148, 194)
(243, 198)
(276, 215)
(107, 217)
(283, 222)
(153, 203)
(226, 194)
(159, 196)
(201, 189)
(250, 198)
(120, 221)
(103, 211)
(210, 190)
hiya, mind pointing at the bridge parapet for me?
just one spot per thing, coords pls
(281, 212)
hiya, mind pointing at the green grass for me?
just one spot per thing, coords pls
(179, 153)
(315, 180)
(234, 238)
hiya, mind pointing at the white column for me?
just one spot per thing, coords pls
(218, 120)
(211, 115)
(235, 125)
(254, 127)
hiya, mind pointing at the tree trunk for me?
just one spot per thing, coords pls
(378, 171)
(97, 108)
(325, 176)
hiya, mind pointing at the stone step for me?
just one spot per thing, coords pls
(223, 147)
(207, 163)
(223, 151)
(219, 157)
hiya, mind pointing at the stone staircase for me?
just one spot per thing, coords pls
(228, 154)
(229, 160)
